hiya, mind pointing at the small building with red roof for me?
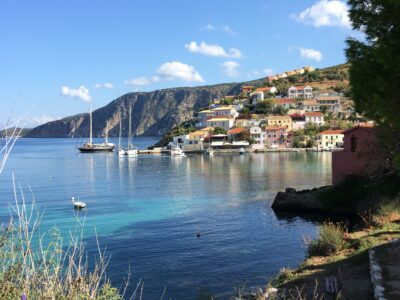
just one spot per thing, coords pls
(276, 136)
(247, 89)
(316, 118)
(285, 102)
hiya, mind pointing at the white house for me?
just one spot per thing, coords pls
(223, 122)
(259, 137)
(316, 118)
(285, 102)
(310, 105)
(225, 111)
(330, 139)
(191, 141)
(300, 92)
(332, 103)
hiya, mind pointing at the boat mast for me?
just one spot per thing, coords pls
(130, 128)
(120, 131)
(106, 139)
(90, 116)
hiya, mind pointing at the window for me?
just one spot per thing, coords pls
(353, 142)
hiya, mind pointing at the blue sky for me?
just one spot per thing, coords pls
(57, 56)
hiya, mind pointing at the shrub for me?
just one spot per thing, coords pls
(285, 275)
(331, 239)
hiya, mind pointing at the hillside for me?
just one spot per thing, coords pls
(155, 113)
(10, 131)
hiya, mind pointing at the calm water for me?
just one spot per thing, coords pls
(147, 210)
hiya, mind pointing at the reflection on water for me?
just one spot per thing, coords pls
(147, 210)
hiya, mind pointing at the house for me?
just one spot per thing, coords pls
(234, 132)
(243, 122)
(247, 89)
(270, 79)
(225, 111)
(285, 102)
(256, 97)
(267, 90)
(222, 122)
(290, 73)
(299, 71)
(283, 75)
(300, 92)
(276, 137)
(298, 121)
(258, 135)
(202, 117)
(282, 121)
(310, 105)
(362, 155)
(316, 118)
(330, 139)
(309, 69)
(332, 103)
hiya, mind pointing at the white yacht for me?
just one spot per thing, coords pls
(177, 151)
(78, 204)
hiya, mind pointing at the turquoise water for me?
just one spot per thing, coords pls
(147, 211)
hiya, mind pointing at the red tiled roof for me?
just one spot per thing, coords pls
(284, 101)
(313, 114)
(332, 131)
(236, 130)
(263, 89)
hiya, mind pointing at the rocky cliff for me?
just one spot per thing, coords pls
(153, 113)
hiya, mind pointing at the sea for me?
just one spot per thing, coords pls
(182, 226)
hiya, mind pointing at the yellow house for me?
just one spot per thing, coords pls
(330, 139)
(282, 121)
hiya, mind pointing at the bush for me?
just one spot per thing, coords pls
(331, 239)
(285, 275)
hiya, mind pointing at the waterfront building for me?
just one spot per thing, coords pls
(259, 136)
(276, 137)
(330, 139)
(234, 132)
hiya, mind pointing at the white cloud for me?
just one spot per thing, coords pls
(81, 93)
(230, 68)
(228, 30)
(310, 54)
(326, 13)
(138, 81)
(177, 70)
(105, 85)
(212, 50)
(209, 26)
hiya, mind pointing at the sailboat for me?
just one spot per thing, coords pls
(121, 151)
(90, 146)
(131, 150)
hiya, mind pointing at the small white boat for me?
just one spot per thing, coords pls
(78, 204)
(132, 151)
(177, 151)
(242, 151)
(210, 152)
(121, 152)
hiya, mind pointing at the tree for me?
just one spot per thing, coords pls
(375, 64)
(219, 130)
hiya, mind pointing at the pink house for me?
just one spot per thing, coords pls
(361, 155)
(276, 137)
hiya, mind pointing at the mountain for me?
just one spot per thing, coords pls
(155, 113)
(9, 131)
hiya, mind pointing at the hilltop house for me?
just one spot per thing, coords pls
(222, 122)
(283, 121)
(309, 69)
(361, 155)
(300, 92)
(316, 118)
(270, 79)
(310, 105)
(330, 139)
(285, 102)
(202, 117)
(332, 103)
(225, 111)
(247, 89)
(276, 136)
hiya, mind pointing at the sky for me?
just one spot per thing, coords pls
(58, 57)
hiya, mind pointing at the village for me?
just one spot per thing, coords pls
(261, 119)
